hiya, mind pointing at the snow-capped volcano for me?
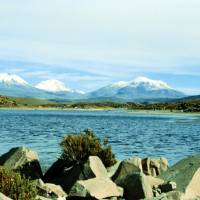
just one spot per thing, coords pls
(53, 85)
(13, 85)
(149, 83)
(139, 88)
(12, 79)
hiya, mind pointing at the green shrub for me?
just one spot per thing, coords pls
(78, 147)
(15, 186)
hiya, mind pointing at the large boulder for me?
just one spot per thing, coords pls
(154, 167)
(135, 185)
(66, 174)
(186, 174)
(126, 167)
(23, 160)
(97, 188)
(3, 197)
(94, 168)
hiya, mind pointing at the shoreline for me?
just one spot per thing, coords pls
(146, 112)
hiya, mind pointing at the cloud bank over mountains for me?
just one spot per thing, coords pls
(102, 40)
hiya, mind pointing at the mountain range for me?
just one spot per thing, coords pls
(141, 88)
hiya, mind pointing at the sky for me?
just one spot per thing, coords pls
(89, 44)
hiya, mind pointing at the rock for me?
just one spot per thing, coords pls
(3, 197)
(126, 167)
(153, 181)
(94, 168)
(23, 160)
(98, 188)
(56, 190)
(38, 197)
(167, 187)
(112, 170)
(136, 186)
(61, 173)
(50, 190)
(174, 195)
(66, 174)
(186, 174)
(154, 167)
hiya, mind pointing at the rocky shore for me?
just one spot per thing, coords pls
(130, 179)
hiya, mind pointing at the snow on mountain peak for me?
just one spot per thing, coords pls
(146, 82)
(152, 84)
(120, 84)
(12, 79)
(53, 85)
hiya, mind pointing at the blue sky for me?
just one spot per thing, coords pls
(91, 43)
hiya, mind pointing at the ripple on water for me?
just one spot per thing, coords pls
(172, 136)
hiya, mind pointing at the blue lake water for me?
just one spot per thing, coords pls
(131, 134)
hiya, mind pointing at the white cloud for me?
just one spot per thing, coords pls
(189, 91)
(109, 38)
(138, 33)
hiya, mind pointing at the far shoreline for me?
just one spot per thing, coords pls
(136, 111)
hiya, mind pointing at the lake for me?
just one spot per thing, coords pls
(130, 134)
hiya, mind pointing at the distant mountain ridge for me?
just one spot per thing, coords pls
(140, 89)
(13, 85)
(12, 79)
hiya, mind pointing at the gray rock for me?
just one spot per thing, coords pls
(23, 160)
(112, 170)
(94, 168)
(186, 174)
(49, 190)
(126, 167)
(154, 167)
(167, 187)
(38, 197)
(174, 195)
(98, 188)
(67, 174)
(136, 186)
(3, 197)
(154, 181)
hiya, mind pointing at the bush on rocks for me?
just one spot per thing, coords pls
(78, 147)
(15, 186)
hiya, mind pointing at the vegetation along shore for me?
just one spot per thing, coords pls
(185, 106)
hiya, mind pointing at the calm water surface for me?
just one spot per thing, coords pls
(131, 134)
